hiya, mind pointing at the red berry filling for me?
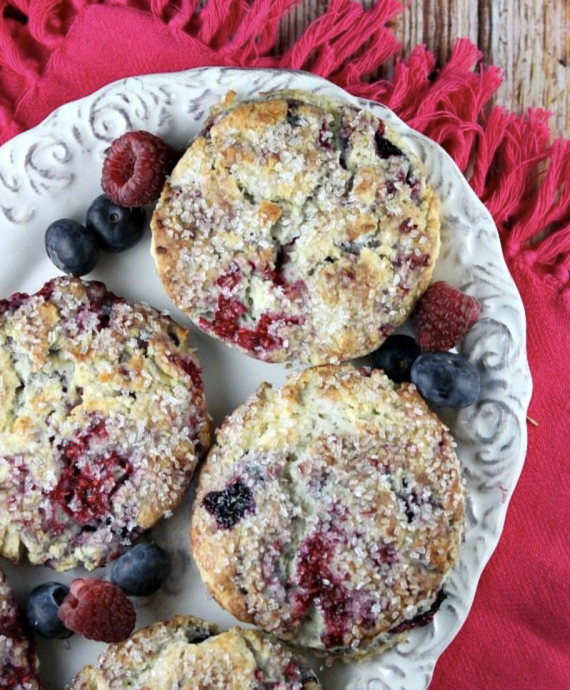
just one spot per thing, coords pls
(326, 138)
(319, 586)
(295, 674)
(190, 368)
(98, 311)
(16, 677)
(386, 555)
(412, 260)
(12, 676)
(87, 484)
(10, 625)
(18, 298)
(227, 321)
(262, 338)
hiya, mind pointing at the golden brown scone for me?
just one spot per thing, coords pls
(189, 654)
(18, 661)
(329, 511)
(297, 228)
(102, 421)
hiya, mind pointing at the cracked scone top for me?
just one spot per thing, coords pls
(102, 420)
(329, 511)
(188, 653)
(297, 228)
(18, 661)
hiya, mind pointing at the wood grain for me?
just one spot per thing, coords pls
(528, 39)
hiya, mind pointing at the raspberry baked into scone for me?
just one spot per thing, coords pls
(102, 422)
(297, 228)
(330, 511)
(187, 653)
(18, 661)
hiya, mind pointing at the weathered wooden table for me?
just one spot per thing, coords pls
(528, 39)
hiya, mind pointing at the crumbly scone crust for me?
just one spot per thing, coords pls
(297, 228)
(187, 654)
(18, 661)
(347, 503)
(102, 422)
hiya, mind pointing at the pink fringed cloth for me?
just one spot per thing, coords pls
(517, 636)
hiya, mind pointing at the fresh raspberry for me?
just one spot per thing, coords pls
(98, 610)
(443, 316)
(135, 168)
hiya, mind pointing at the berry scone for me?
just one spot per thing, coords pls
(102, 422)
(188, 653)
(330, 511)
(18, 662)
(296, 228)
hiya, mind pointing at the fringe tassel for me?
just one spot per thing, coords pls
(14, 33)
(542, 229)
(451, 105)
(257, 32)
(47, 21)
(219, 20)
(343, 31)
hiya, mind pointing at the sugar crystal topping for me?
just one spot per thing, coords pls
(329, 236)
(103, 421)
(358, 505)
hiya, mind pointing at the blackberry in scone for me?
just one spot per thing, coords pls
(102, 422)
(188, 653)
(297, 228)
(329, 513)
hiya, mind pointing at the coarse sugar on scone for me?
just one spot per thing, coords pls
(297, 228)
(19, 664)
(188, 653)
(102, 422)
(330, 511)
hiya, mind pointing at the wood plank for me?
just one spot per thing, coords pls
(528, 40)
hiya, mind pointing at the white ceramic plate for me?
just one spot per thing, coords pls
(53, 171)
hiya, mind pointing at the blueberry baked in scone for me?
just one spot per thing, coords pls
(102, 422)
(187, 653)
(329, 511)
(18, 661)
(297, 228)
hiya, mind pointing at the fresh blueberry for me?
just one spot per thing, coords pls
(42, 610)
(385, 148)
(395, 357)
(71, 247)
(446, 379)
(230, 505)
(116, 228)
(142, 570)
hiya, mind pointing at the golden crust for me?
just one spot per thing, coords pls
(102, 420)
(297, 228)
(329, 512)
(188, 653)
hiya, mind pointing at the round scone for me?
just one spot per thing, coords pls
(187, 653)
(329, 511)
(18, 661)
(102, 422)
(297, 228)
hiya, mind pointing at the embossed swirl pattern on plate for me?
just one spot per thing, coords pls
(47, 170)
